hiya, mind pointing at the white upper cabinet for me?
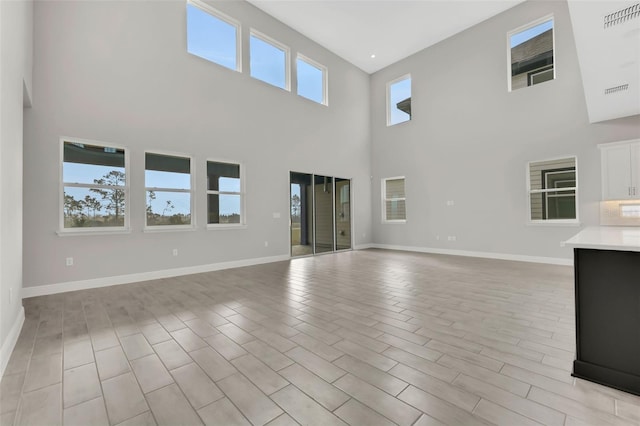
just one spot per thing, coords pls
(620, 170)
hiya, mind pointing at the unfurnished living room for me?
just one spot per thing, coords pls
(362, 212)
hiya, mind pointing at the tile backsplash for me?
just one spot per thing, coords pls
(620, 213)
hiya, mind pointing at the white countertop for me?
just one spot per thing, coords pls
(622, 238)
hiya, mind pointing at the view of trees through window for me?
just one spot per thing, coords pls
(168, 189)
(94, 182)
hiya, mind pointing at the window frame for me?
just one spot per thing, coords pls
(549, 17)
(190, 191)
(552, 222)
(206, 8)
(242, 194)
(94, 230)
(388, 98)
(385, 199)
(278, 45)
(325, 78)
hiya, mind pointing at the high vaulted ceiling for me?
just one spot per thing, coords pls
(389, 29)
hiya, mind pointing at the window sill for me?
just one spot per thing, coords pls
(572, 223)
(169, 228)
(394, 222)
(74, 232)
(224, 227)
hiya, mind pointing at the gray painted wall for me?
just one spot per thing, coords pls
(119, 72)
(470, 140)
(16, 59)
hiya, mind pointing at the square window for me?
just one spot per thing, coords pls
(269, 61)
(553, 186)
(531, 51)
(393, 200)
(168, 190)
(312, 80)
(95, 191)
(225, 197)
(213, 36)
(399, 100)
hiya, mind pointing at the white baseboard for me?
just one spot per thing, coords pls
(484, 254)
(364, 246)
(42, 290)
(11, 340)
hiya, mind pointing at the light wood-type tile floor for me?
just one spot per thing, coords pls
(363, 338)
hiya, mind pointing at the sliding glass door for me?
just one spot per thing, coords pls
(320, 214)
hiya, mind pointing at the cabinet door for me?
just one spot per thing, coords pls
(635, 170)
(616, 172)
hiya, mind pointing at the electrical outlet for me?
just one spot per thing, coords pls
(266, 243)
(175, 252)
(450, 203)
(451, 238)
(69, 261)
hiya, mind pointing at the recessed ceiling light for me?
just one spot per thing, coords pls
(373, 55)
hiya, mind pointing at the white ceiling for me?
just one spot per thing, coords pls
(390, 29)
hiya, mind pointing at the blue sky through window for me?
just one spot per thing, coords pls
(399, 91)
(268, 62)
(211, 38)
(310, 81)
(530, 33)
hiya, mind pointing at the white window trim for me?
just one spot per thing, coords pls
(525, 27)
(384, 199)
(227, 19)
(325, 78)
(242, 193)
(191, 191)
(287, 58)
(388, 97)
(62, 231)
(552, 222)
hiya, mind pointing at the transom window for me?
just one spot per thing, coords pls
(224, 194)
(531, 54)
(213, 36)
(269, 60)
(552, 187)
(95, 191)
(393, 200)
(168, 190)
(312, 80)
(399, 100)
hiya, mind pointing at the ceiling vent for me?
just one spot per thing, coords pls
(616, 89)
(622, 15)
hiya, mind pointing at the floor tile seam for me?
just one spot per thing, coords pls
(499, 403)
(26, 372)
(372, 384)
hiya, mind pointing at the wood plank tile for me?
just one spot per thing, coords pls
(304, 409)
(390, 407)
(252, 403)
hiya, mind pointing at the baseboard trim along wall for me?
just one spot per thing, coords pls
(10, 342)
(43, 290)
(484, 254)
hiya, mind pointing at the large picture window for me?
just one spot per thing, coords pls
(213, 36)
(552, 186)
(168, 190)
(224, 194)
(531, 54)
(393, 200)
(95, 190)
